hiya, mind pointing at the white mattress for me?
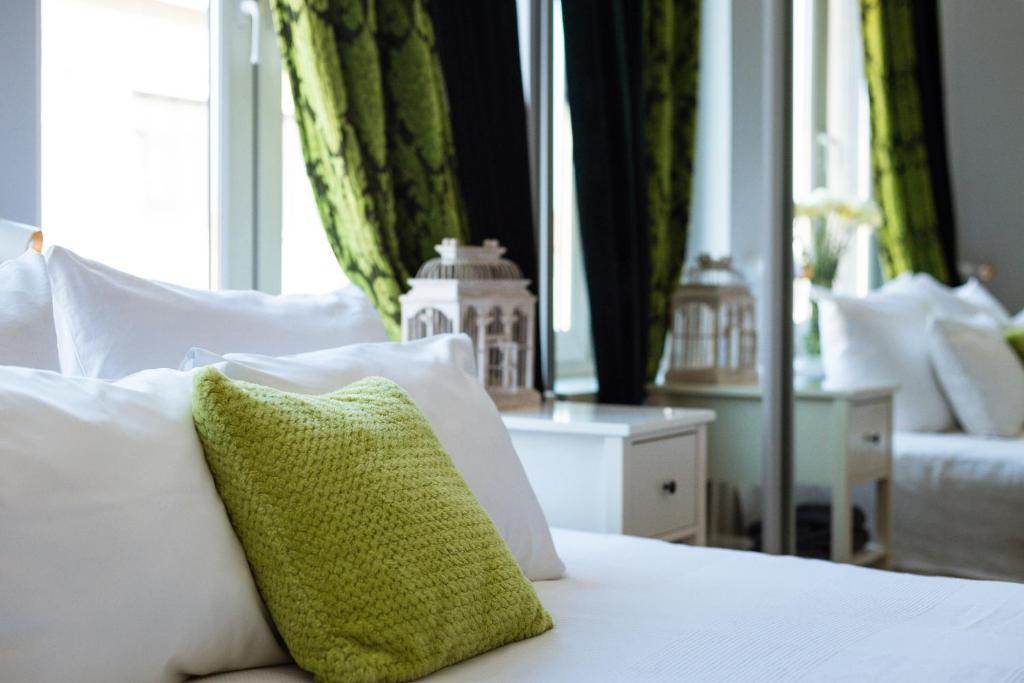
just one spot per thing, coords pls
(958, 505)
(632, 609)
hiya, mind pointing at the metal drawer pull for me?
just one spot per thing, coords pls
(669, 487)
(873, 439)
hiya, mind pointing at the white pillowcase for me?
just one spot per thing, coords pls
(111, 324)
(27, 337)
(119, 562)
(982, 376)
(973, 292)
(940, 299)
(438, 373)
(880, 340)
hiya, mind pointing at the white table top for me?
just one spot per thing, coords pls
(576, 417)
(810, 391)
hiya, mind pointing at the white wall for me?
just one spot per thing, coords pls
(984, 90)
(19, 110)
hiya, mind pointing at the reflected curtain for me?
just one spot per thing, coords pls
(479, 47)
(632, 70)
(903, 64)
(376, 136)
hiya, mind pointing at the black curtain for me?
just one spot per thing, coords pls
(603, 54)
(927, 45)
(479, 47)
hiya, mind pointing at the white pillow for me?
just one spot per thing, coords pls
(981, 375)
(118, 559)
(974, 293)
(438, 373)
(941, 300)
(27, 337)
(880, 340)
(111, 324)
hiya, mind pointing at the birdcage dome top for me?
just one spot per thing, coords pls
(463, 262)
(711, 272)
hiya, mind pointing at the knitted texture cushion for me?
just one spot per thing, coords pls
(1015, 338)
(374, 558)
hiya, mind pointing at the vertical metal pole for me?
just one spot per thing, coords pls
(819, 92)
(541, 125)
(777, 381)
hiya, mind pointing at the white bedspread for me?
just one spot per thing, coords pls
(958, 505)
(640, 610)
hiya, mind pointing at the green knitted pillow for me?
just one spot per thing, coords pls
(373, 556)
(1015, 338)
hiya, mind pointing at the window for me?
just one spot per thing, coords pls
(574, 356)
(574, 363)
(307, 263)
(125, 134)
(158, 134)
(831, 131)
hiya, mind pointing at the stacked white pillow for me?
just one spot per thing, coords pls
(438, 374)
(973, 292)
(942, 346)
(879, 340)
(27, 337)
(118, 559)
(981, 375)
(110, 324)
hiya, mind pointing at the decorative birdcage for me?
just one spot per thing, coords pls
(713, 333)
(474, 290)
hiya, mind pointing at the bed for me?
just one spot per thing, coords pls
(633, 609)
(958, 505)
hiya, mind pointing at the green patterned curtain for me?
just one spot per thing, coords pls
(911, 238)
(371, 110)
(671, 48)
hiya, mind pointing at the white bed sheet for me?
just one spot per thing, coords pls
(958, 505)
(633, 609)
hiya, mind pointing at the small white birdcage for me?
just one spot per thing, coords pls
(475, 291)
(713, 333)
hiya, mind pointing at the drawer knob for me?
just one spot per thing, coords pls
(669, 487)
(873, 439)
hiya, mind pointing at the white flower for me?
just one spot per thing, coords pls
(821, 203)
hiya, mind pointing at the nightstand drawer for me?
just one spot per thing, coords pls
(869, 439)
(660, 486)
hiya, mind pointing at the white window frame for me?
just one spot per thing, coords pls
(245, 147)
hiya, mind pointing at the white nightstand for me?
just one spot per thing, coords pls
(842, 439)
(632, 470)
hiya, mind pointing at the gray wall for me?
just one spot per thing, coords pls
(19, 111)
(983, 58)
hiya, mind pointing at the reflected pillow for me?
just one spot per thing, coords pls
(879, 340)
(982, 376)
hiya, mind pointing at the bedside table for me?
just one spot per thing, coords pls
(842, 439)
(633, 470)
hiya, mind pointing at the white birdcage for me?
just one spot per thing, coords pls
(713, 332)
(474, 290)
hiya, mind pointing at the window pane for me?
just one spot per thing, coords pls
(125, 134)
(574, 365)
(308, 264)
